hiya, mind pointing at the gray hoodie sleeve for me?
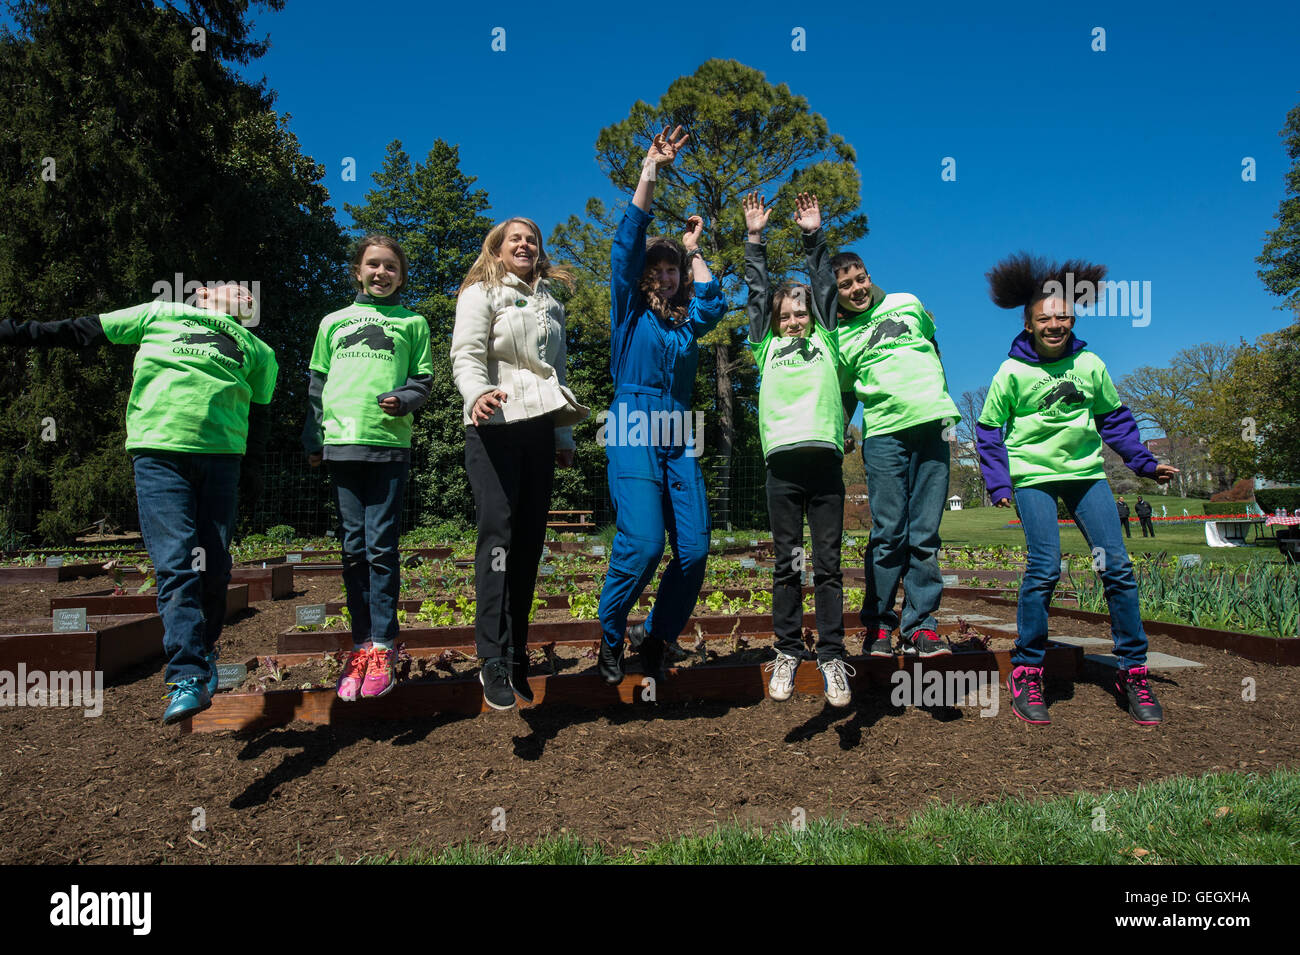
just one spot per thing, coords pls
(826, 293)
(758, 308)
(413, 395)
(313, 432)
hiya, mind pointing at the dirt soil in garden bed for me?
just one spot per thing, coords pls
(123, 788)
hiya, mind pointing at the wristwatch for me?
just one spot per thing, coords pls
(693, 253)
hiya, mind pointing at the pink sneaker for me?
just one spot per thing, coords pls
(354, 672)
(381, 675)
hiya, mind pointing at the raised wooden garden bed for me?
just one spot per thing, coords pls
(106, 602)
(739, 683)
(112, 644)
(265, 583)
(49, 575)
(1277, 651)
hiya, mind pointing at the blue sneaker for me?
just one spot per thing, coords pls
(212, 670)
(190, 698)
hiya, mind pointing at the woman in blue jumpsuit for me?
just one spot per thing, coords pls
(663, 299)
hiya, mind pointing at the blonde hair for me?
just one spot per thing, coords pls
(658, 249)
(491, 271)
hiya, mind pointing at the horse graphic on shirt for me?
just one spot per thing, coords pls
(887, 331)
(224, 344)
(372, 336)
(1064, 391)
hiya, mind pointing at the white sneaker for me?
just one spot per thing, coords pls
(781, 686)
(836, 675)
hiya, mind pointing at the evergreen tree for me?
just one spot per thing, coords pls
(133, 153)
(746, 134)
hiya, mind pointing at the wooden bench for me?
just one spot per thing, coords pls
(570, 521)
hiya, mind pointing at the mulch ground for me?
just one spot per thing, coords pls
(123, 788)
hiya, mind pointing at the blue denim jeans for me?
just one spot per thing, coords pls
(907, 486)
(187, 506)
(1093, 507)
(370, 507)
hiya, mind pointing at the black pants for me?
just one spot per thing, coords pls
(1127, 532)
(1147, 526)
(511, 468)
(810, 482)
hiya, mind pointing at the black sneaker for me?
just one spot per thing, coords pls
(1135, 690)
(652, 658)
(1025, 684)
(495, 677)
(882, 646)
(927, 643)
(610, 661)
(519, 674)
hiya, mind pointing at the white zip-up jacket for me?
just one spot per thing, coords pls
(511, 337)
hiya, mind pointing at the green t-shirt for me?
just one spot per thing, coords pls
(195, 373)
(365, 351)
(799, 395)
(888, 360)
(1047, 410)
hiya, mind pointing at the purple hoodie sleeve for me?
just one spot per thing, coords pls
(1118, 429)
(994, 463)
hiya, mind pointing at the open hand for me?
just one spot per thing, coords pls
(1003, 502)
(1164, 472)
(808, 214)
(664, 149)
(756, 213)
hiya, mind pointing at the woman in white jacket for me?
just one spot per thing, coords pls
(508, 354)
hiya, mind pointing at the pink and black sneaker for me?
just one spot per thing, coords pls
(882, 646)
(1025, 684)
(1134, 689)
(927, 643)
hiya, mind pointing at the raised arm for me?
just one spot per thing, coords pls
(758, 308)
(662, 152)
(808, 216)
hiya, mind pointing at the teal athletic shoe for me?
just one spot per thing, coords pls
(212, 670)
(190, 698)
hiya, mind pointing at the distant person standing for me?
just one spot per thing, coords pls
(1143, 509)
(1122, 509)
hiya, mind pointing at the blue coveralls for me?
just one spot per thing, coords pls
(653, 487)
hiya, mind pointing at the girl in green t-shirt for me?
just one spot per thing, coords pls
(1048, 410)
(371, 368)
(801, 425)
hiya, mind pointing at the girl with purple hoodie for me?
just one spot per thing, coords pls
(1049, 408)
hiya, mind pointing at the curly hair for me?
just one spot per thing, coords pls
(663, 249)
(1020, 280)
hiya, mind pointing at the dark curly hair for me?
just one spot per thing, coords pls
(663, 249)
(1023, 279)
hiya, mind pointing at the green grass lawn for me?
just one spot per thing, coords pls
(1222, 819)
(987, 527)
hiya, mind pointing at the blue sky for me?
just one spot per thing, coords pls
(1131, 157)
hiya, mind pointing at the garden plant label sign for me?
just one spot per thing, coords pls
(70, 620)
(950, 580)
(293, 558)
(53, 561)
(311, 615)
(230, 674)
